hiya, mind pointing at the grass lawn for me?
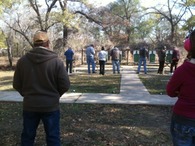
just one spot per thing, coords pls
(95, 83)
(80, 83)
(96, 124)
(6, 78)
(155, 83)
(109, 83)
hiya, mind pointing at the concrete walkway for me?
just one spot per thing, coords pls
(132, 92)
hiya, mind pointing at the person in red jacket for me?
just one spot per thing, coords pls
(182, 85)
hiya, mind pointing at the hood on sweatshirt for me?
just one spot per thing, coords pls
(40, 54)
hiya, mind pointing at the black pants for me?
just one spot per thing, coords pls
(174, 64)
(102, 66)
(69, 65)
(161, 66)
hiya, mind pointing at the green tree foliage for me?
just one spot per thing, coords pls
(131, 25)
(189, 24)
(3, 4)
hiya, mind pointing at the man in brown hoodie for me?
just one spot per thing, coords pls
(41, 78)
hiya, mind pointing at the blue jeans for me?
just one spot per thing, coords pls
(90, 61)
(51, 122)
(182, 135)
(115, 65)
(142, 60)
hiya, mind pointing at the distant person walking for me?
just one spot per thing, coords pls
(102, 60)
(143, 55)
(181, 85)
(41, 78)
(115, 55)
(90, 53)
(161, 59)
(69, 59)
(175, 59)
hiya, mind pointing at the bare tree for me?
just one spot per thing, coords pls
(173, 12)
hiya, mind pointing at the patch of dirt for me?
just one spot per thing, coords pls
(96, 125)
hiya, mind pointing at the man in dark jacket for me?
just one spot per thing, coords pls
(69, 59)
(40, 77)
(175, 59)
(143, 55)
(161, 59)
(115, 54)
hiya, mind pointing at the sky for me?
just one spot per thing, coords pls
(145, 3)
(101, 2)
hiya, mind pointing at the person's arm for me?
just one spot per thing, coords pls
(173, 86)
(92, 51)
(63, 79)
(17, 81)
(65, 53)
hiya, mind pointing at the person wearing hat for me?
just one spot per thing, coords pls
(182, 85)
(41, 78)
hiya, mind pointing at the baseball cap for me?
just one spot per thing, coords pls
(40, 37)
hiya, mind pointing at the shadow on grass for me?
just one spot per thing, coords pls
(96, 124)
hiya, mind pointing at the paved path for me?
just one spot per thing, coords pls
(132, 92)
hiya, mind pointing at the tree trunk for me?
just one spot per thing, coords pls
(65, 35)
(172, 34)
(9, 53)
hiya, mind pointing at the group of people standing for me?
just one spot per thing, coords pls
(102, 57)
(41, 79)
(115, 57)
(162, 59)
(91, 62)
(143, 56)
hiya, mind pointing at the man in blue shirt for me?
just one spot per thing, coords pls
(69, 59)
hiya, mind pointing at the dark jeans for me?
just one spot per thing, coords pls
(69, 65)
(174, 64)
(182, 135)
(102, 66)
(161, 67)
(51, 122)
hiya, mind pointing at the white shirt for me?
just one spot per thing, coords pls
(102, 55)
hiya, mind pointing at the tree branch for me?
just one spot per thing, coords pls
(89, 17)
(36, 9)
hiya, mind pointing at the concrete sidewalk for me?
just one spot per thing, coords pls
(132, 92)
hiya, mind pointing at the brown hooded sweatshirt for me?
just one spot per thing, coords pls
(40, 77)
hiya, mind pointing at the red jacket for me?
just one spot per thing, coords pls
(182, 85)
